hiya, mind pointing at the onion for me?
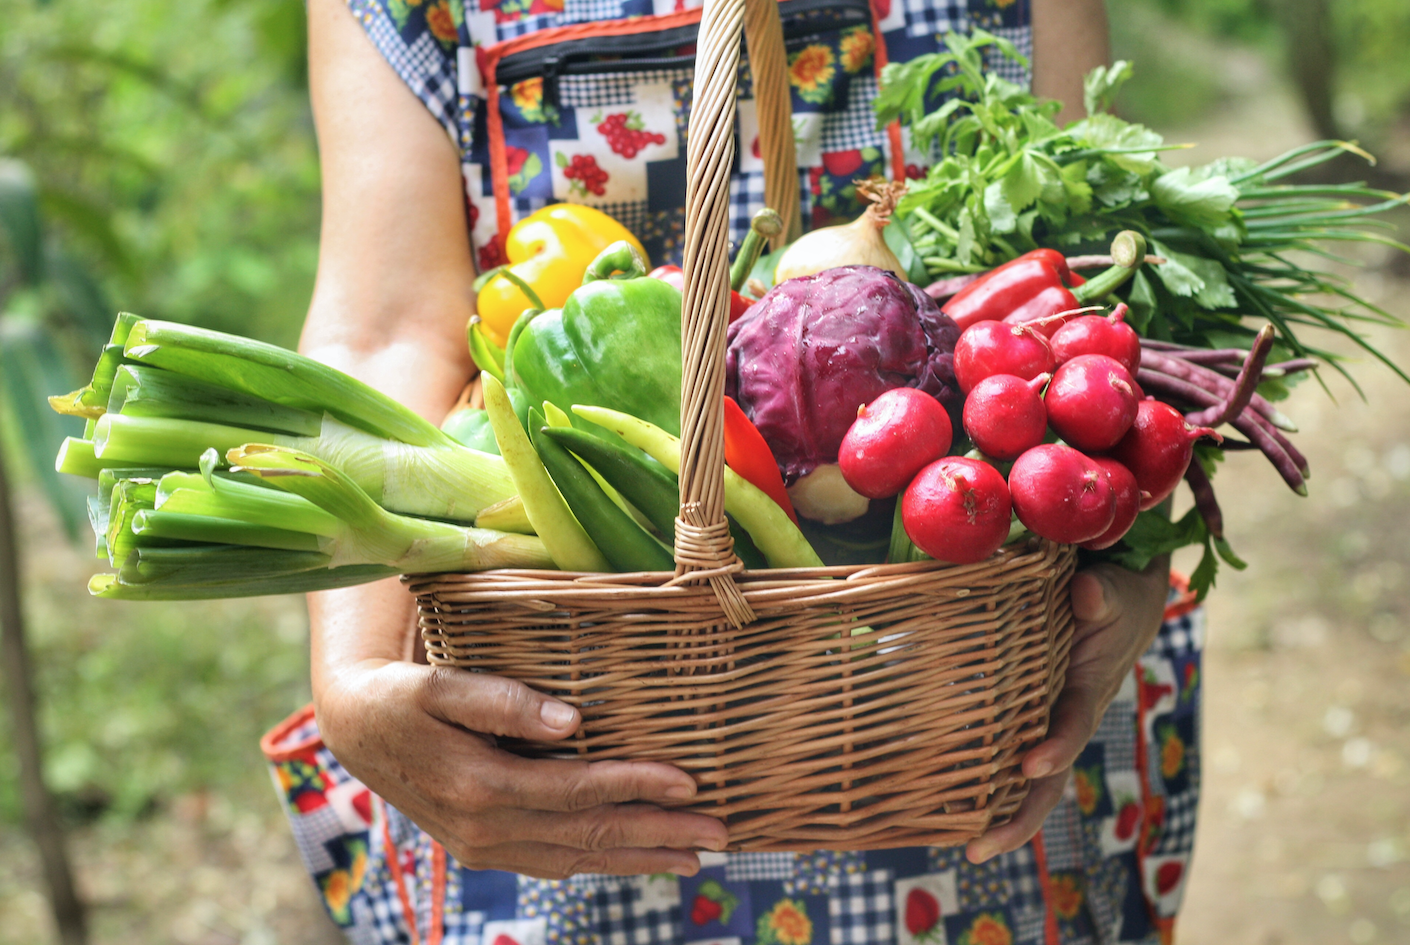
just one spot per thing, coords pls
(858, 243)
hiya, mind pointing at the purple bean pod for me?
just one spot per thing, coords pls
(1205, 501)
(1248, 423)
(1236, 400)
(1213, 381)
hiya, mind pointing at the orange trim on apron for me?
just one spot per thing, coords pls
(893, 130)
(1051, 936)
(489, 57)
(1185, 602)
(438, 893)
(394, 866)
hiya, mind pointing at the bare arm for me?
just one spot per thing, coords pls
(390, 305)
(1069, 40)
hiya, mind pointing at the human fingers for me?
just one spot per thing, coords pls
(553, 861)
(609, 827)
(1094, 599)
(494, 705)
(1089, 688)
(1043, 795)
(548, 784)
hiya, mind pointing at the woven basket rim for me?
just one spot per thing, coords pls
(1015, 555)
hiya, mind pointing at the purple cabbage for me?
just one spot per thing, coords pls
(803, 358)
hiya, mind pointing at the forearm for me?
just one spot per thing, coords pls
(394, 286)
(1069, 40)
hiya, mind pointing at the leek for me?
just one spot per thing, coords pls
(452, 482)
(374, 535)
(279, 375)
(140, 391)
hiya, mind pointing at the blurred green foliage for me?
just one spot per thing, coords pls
(174, 150)
(145, 702)
(1180, 47)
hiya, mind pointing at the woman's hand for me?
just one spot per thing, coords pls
(1118, 613)
(394, 291)
(423, 738)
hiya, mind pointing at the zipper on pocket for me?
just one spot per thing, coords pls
(654, 51)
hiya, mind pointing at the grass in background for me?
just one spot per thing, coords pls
(141, 703)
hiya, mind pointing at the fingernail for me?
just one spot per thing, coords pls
(977, 853)
(684, 870)
(556, 714)
(713, 844)
(1041, 770)
(680, 792)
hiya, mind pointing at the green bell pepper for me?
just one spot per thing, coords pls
(615, 343)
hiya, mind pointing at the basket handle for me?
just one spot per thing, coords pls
(703, 547)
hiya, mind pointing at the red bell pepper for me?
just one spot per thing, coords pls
(748, 454)
(1039, 284)
(1035, 285)
(673, 276)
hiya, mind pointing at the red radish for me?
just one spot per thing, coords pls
(1061, 495)
(1128, 503)
(1004, 415)
(1092, 334)
(1048, 325)
(892, 439)
(1157, 449)
(957, 510)
(989, 348)
(1091, 402)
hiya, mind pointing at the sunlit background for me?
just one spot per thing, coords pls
(171, 149)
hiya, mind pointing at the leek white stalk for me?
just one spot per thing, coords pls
(374, 535)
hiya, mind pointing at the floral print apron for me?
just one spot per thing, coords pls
(586, 101)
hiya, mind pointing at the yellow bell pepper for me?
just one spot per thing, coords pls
(550, 250)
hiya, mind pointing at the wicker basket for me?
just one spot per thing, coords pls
(840, 708)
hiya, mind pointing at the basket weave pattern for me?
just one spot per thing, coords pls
(823, 708)
(865, 708)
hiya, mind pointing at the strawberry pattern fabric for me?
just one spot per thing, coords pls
(575, 127)
(1108, 867)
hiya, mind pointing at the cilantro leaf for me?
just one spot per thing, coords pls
(1100, 86)
(1195, 199)
(1103, 132)
(1195, 277)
